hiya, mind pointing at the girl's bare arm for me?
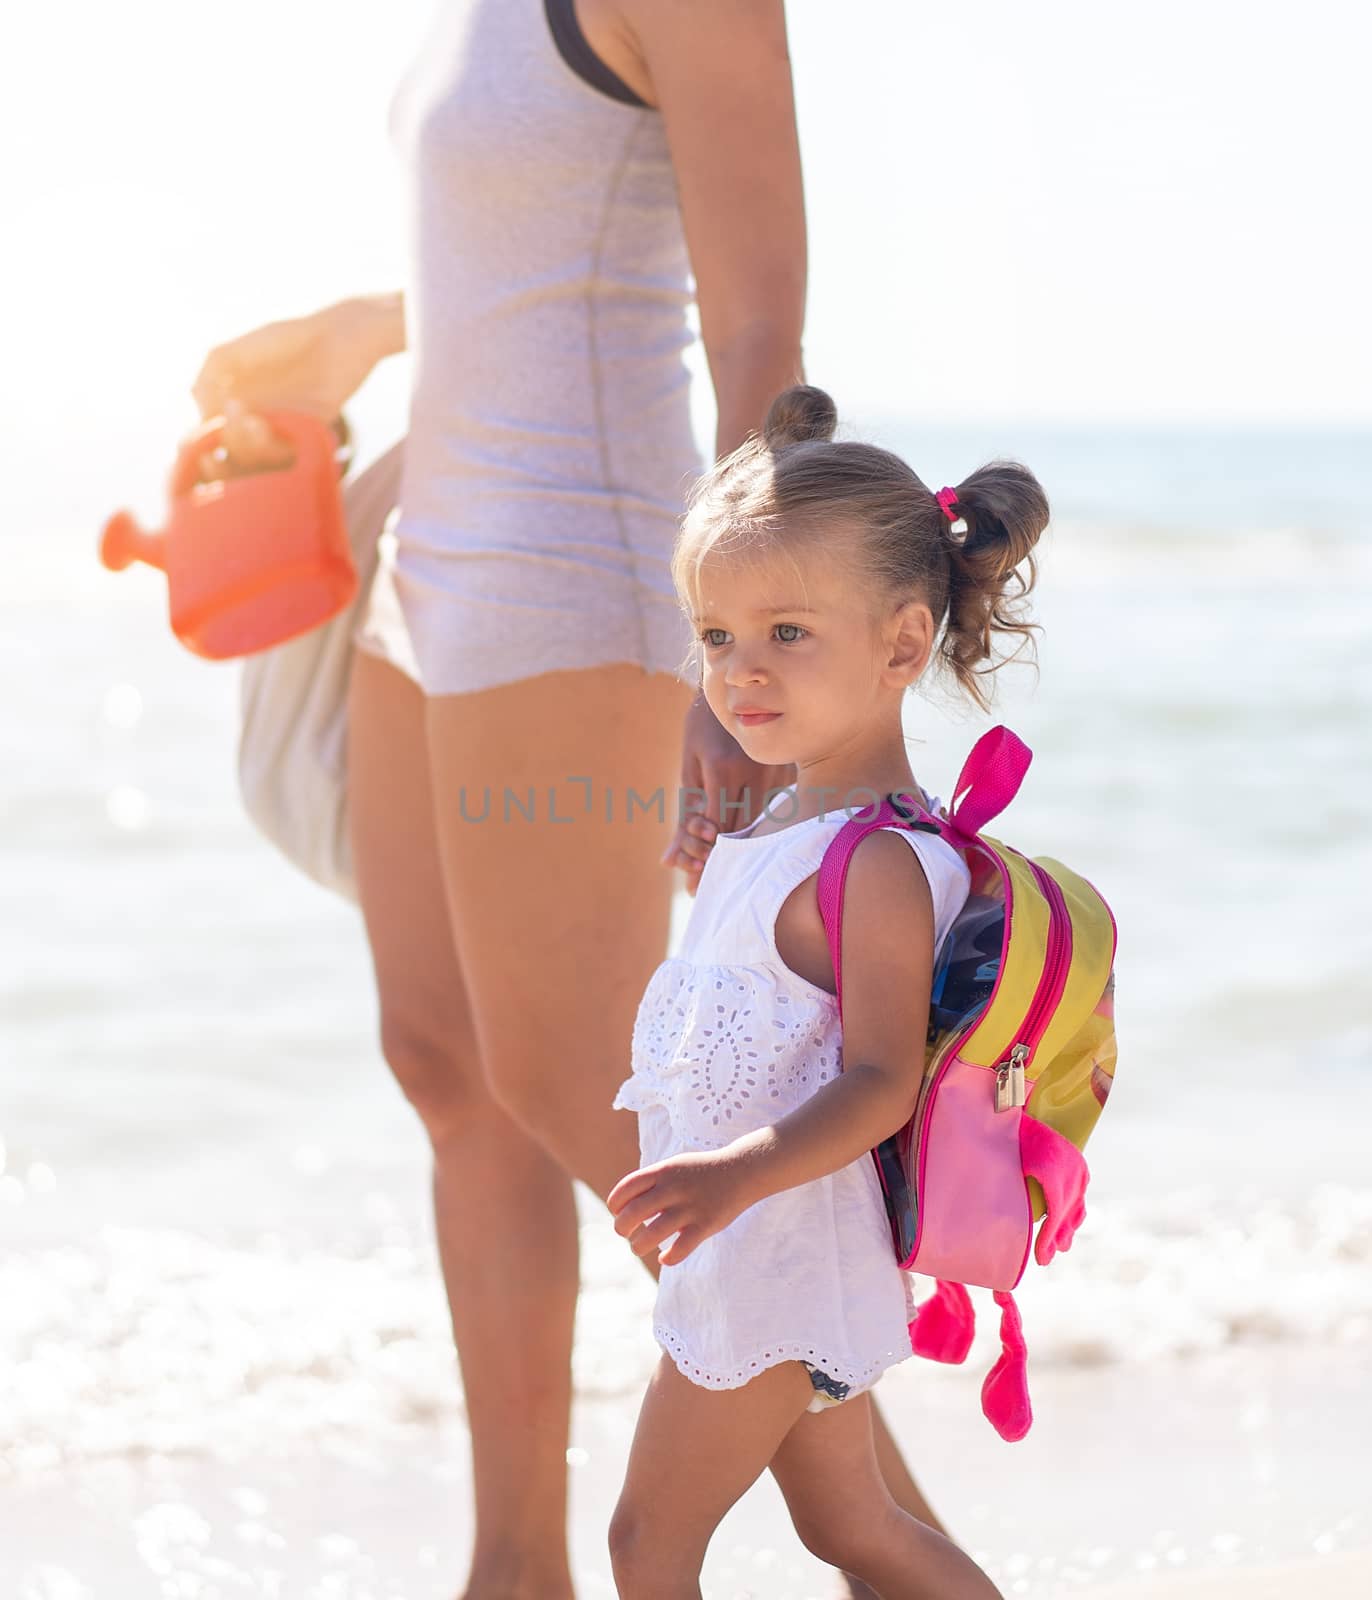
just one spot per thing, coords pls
(888, 961)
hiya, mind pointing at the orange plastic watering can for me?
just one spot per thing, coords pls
(253, 560)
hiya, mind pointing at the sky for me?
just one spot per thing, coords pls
(1058, 212)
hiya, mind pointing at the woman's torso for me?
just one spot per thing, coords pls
(548, 291)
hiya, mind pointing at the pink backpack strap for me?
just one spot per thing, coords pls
(833, 869)
(989, 780)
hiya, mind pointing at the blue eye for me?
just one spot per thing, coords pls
(797, 631)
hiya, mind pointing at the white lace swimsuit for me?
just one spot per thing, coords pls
(729, 1039)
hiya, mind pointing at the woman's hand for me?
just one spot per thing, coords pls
(691, 1195)
(313, 364)
(723, 789)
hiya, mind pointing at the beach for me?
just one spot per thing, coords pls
(1205, 1479)
(225, 1366)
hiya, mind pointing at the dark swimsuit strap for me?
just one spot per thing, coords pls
(574, 50)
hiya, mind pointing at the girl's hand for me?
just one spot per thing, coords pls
(714, 764)
(313, 363)
(691, 1195)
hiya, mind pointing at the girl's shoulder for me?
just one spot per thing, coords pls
(947, 873)
(795, 925)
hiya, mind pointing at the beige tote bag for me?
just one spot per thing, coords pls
(293, 708)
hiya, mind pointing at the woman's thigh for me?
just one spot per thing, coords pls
(554, 798)
(427, 1033)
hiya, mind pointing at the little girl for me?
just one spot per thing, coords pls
(823, 578)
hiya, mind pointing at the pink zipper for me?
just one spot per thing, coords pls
(1057, 960)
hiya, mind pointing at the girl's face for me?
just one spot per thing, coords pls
(796, 639)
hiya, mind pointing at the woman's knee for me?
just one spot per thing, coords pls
(439, 1074)
(533, 1095)
(570, 1120)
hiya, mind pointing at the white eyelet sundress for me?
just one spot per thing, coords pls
(728, 1039)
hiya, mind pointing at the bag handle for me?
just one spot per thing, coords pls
(989, 780)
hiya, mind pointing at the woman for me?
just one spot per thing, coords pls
(571, 163)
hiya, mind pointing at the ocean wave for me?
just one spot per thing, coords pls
(1084, 550)
(165, 1342)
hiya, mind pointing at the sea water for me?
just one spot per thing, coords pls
(213, 1200)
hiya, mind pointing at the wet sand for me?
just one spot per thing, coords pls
(1202, 1481)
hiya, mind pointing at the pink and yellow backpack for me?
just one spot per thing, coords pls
(1019, 1060)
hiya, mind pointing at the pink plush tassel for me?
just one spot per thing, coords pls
(1061, 1168)
(942, 1329)
(1005, 1394)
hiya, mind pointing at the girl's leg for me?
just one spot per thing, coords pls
(897, 1475)
(844, 1513)
(512, 1279)
(695, 1451)
(904, 1490)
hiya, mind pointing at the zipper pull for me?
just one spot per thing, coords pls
(1010, 1079)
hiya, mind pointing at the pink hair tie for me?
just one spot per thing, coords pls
(947, 499)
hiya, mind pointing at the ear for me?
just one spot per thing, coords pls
(909, 640)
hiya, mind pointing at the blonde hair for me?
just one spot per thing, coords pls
(791, 486)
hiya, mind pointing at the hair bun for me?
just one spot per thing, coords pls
(798, 415)
(1006, 510)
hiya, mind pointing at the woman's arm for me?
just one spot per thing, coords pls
(888, 963)
(721, 78)
(313, 363)
(720, 75)
(379, 319)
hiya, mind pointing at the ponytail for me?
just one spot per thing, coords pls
(991, 567)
